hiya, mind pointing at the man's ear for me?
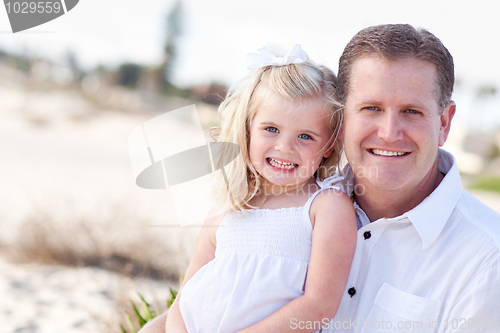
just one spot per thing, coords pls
(445, 122)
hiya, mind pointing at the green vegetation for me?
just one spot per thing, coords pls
(489, 183)
(146, 314)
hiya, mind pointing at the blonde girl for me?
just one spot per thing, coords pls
(276, 255)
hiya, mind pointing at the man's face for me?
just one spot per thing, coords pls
(392, 126)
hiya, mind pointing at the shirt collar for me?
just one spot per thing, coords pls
(431, 215)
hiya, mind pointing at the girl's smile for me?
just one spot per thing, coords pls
(281, 165)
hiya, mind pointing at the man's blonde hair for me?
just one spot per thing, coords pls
(295, 83)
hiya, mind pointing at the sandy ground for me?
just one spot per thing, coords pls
(62, 158)
(50, 299)
(59, 155)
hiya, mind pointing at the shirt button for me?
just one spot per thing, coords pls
(367, 234)
(351, 292)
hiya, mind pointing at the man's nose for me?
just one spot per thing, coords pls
(390, 127)
(285, 145)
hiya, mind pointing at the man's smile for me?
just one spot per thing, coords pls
(380, 152)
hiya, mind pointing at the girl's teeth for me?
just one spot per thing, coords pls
(387, 153)
(282, 165)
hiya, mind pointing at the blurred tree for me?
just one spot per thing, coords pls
(212, 93)
(173, 33)
(74, 66)
(485, 94)
(486, 90)
(128, 75)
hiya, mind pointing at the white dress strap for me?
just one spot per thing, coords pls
(339, 182)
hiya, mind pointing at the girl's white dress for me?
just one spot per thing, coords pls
(260, 264)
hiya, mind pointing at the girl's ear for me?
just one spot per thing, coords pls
(329, 152)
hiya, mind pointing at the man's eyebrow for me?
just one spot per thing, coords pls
(368, 102)
(417, 106)
(411, 105)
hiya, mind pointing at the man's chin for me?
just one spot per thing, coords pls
(382, 183)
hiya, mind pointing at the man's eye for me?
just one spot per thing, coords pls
(272, 129)
(305, 137)
(410, 111)
(372, 108)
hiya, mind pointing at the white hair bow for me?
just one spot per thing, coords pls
(295, 56)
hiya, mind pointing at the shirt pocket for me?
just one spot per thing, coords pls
(397, 311)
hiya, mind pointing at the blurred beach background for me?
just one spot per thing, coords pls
(78, 238)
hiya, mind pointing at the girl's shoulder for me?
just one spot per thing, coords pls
(332, 206)
(332, 199)
(332, 186)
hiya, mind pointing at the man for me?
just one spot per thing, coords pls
(428, 253)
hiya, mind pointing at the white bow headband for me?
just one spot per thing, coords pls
(295, 56)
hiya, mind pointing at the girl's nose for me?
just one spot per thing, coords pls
(285, 145)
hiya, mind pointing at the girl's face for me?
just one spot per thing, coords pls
(288, 140)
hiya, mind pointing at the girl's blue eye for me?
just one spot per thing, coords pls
(272, 129)
(305, 137)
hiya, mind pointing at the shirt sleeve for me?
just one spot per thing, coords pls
(477, 308)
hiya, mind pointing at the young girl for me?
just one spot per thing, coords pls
(279, 258)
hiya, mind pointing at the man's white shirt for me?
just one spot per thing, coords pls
(435, 268)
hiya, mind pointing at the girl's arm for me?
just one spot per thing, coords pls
(203, 253)
(174, 322)
(333, 246)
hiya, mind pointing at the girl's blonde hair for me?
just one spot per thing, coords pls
(240, 182)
